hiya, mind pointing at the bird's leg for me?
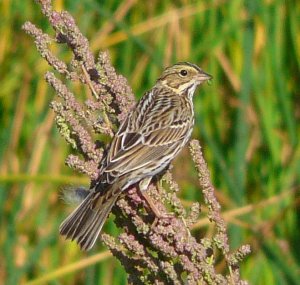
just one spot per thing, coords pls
(143, 185)
(151, 204)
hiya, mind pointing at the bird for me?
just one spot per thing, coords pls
(149, 138)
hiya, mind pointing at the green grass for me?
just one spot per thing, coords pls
(247, 122)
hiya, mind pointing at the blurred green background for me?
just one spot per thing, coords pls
(247, 122)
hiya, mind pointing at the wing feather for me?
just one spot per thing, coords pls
(148, 137)
(151, 149)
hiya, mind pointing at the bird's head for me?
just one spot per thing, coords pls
(183, 76)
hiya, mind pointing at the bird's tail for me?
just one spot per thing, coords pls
(85, 223)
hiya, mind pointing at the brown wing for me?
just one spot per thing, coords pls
(146, 149)
(148, 137)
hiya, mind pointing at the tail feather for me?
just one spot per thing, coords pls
(85, 223)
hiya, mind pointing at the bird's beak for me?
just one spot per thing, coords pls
(203, 76)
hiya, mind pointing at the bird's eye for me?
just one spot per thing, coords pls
(183, 72)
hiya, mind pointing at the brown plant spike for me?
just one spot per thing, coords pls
(160, 253)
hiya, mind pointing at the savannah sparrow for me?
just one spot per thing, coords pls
(147, 141)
